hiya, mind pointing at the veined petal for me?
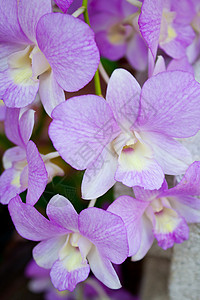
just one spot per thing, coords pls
(99, 176)
(106, 231)
(47, 251)
(30, 223)
(73, 44)
(17, 88)
(12, 129)
(61, 211)
(26, 124)
(10, 30)
(148, 195)
(170, 104)
(51, 93)
(131, 211)
(150, 23)
(103, 269)
(123, 96)
(147, 238)
(66, 273)
(88, 133)
(144, 172)
(169, 228)
(189, 185)
(171, 155)
(37, 174)
(29, 13)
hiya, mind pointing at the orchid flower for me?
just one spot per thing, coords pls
(162, 214)
(44, 51)
(130, 137)
(71, 244)
(117, 34)
(167, 24)
(24, 166)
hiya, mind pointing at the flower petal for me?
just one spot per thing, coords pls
(63, 4)
(123, 96)
(99, 176)
(37, 174)
(10, 30)
(63, 278)
(30, 223)
(106, 231)
(103, 269)
(131, 211)
(80, 119)
(73, 44)
(170, 104)
(13, 155)
(171, 155)
(29, 13)
(9, 185)
(61, 211)
(46, 252)
(51, 93)
(26, 124)
(147, 238)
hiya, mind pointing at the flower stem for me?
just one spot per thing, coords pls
(78, 12)
(96, 76)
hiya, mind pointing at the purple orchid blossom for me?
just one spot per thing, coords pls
(44, 51)
(167, 24)
(162, 214)
(130, 137)
(63, 4)
(115, 24)
(71, 244)
(24, 166)
(92, 289)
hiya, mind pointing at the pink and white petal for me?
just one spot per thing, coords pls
(51, 93)
(61, 211)
(47, 251)
(171, 155)
(170, 228)
(181, 64)
(123, 96)
(9, 185)
(63, 279)
(131, 211)
(12, 126)
(103, 269)
(185, 11)
(29, 13)
(13, 155)
(80, 119)
(106, 231)
(186, 206)
(16, 89)
(73, 44)
(137, 53)
(30, 224)
(192, 51)
(150, 22)
(148, 195)
(7, 48)
(107, 49)
(99, 176)
(189, 185)
(149, 177)
(10, 30)
(37, 174)
(147, 238)
(63, 4)
(26, 124)
(34, 271)
(169, 99)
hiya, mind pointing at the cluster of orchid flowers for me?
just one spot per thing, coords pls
(131, 136)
